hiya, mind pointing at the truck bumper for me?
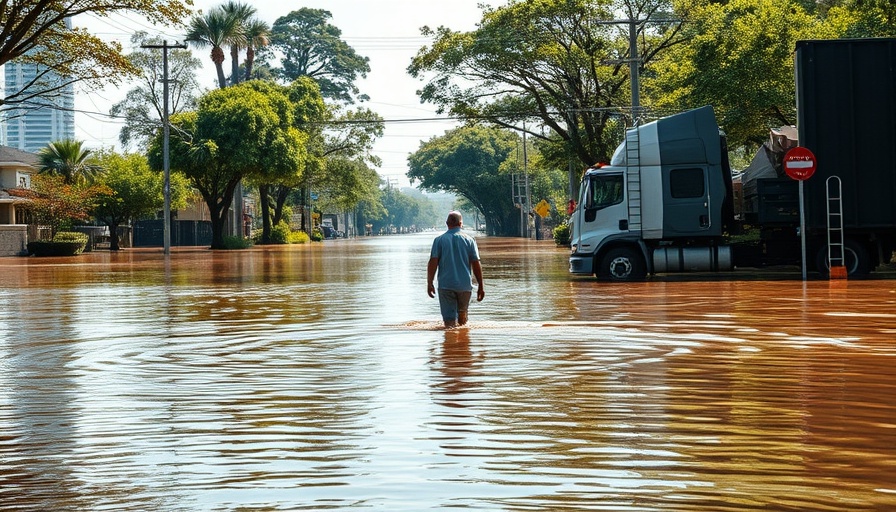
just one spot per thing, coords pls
(581, 264)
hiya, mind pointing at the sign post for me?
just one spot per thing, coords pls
(800, 164)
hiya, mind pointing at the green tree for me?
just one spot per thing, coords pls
(216, 28)
(142, 107)
(57, 204)
(467, 161)
(346, 184)
(862, 18)
(298, 104)
(312, 47)
(241, 13)
(68, 159)
(236, 132)
(347, 178)
(554, 63)
(257, 34)
(134, 191)
(739, 58)
(35, 32)
(402, 210)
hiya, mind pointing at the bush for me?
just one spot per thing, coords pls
(561, 234)
(64, 243)
(316, 235)
(299, 237)
(236, 242)
(71, 236)
(280, 233)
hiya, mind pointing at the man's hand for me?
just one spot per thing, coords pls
(480, 294)
(431, 268)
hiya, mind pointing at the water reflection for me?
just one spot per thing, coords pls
(456, 363)
(318, 377)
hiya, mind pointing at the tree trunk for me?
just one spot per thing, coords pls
(218, 59)
(218, 212)
(113, 237)
(235, 65)
(266, 224)
(250, 61)
(282, 196)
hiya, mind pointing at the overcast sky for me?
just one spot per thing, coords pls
(385, 31)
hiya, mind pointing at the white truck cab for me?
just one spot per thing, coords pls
(659, 205)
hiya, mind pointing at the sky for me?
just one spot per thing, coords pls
(385, 31)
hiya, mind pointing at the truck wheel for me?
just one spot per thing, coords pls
(622, 264)
(857, 261)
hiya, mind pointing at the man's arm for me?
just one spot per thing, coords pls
(477, 271)
(431, 268)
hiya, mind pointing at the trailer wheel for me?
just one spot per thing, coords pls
(857, 261)
(622, 264)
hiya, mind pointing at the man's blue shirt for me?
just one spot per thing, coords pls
(455, 250)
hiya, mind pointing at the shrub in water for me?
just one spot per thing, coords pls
(280, 233)
(561, 234)
(237, 242)
(64, 243)
(299, 237)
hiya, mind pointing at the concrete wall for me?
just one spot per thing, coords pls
(13, 239)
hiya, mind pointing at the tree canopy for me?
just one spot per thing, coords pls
(311, 46)
(134, 191)
(143, 105)
(554, 63)
(559, 69)
(57, 204)
(468, 161)
(739, 59)
(242, 131)
(68, 159)
(35, 32)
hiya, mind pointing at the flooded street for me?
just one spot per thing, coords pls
(317, 377)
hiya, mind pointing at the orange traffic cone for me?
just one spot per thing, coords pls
(838, 272)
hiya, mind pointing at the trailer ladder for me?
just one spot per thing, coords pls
(836, 254)
(633, 176)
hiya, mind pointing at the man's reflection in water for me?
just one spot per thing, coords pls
(456, 363)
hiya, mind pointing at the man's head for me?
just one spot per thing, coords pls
(455, 220)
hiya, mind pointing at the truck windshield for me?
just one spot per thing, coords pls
(604, 190)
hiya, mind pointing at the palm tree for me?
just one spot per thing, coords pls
(257, 32)
(216, 29)
(69, 159)
(241, 15)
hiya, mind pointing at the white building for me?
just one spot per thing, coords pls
(16, 168)
(40, 120)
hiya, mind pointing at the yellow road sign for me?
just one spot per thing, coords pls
(543, 208)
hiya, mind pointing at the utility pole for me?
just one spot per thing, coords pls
(633, 60)
(519, 188)
(166, 230)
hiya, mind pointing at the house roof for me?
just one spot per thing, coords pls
(10, 156)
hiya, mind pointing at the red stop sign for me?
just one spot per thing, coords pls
(799, 163)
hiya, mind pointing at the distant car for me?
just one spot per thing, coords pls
(328, 232)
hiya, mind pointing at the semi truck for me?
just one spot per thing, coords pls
(666, 200)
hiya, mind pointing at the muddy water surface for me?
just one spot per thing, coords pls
(317, 378)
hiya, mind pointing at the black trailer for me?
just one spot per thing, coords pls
(846, 115)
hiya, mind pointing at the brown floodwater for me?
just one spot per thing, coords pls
(316, 377)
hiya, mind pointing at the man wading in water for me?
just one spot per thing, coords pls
(456, 257)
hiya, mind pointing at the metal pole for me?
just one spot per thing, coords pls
(634, 62)
(166, 236)
(527, 201)
(803, 229)
(166, 229)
